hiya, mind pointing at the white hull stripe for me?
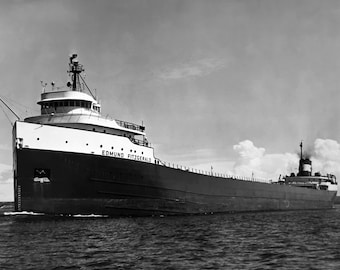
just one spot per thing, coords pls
(55, 138)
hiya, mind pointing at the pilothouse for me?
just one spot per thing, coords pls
(72, 107)
(70, 101)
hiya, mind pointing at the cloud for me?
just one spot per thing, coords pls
(6, 176)
(325, 156)
(247, 150)
(253, 161)
(6, 173)
(6, 183)
(6, 192)
(197, 68)
(326, 149)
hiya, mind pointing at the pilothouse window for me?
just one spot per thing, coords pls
(46, 105)
(96, 108)
(69, 103)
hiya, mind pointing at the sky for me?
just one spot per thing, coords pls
(233, 85)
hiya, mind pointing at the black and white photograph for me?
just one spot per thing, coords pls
(169, 134)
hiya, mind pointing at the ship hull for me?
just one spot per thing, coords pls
(88, 184)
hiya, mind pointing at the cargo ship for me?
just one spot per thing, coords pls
(71, 160)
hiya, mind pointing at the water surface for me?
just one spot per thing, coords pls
(270, 240)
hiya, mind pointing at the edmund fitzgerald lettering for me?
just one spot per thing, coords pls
(121, 155)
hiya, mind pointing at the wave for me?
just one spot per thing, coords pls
(23, 213)
(27, 213)
(90, 216)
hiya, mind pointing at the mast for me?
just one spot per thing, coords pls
(305, 164)
(300, 173)
(75, 70)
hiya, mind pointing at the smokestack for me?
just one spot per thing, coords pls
(305, 165)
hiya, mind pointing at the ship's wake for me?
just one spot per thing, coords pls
(27, 213)
(89, 216)
(23, 213)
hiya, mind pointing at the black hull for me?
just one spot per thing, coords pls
(91, 184)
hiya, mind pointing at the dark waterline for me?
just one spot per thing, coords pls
(270, 240)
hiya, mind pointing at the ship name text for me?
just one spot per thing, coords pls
(122, 155)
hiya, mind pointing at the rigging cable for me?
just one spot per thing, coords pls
(2, 108)
(9, 110)
(23, 109)
(88, 88)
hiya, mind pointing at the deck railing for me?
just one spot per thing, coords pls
(212, 173)
(141, 142)
(130, 125)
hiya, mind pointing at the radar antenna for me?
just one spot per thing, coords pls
(75, 70)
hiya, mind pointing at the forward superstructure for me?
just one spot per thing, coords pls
(71, 160)
(80, 112)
